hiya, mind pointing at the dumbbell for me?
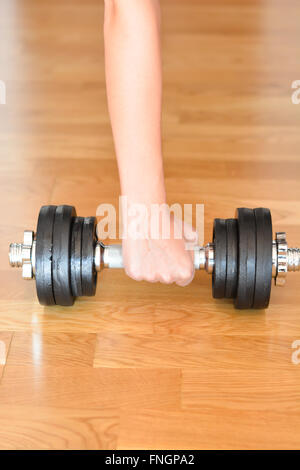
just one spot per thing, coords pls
(64, 256)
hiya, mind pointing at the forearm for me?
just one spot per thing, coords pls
(134, 89)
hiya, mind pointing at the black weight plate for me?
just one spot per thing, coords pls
(232, 258)
(76, 256)
(88, 272)
(61, 271)
(246, 258)
(220, 246)
(43, 255)
(264, 239)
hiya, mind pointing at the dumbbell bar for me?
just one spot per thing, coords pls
(64, 257)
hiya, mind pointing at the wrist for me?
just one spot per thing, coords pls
(144, 190)
(141, 220)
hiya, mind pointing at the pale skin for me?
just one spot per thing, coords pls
(134, 90)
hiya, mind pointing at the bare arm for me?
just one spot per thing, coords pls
(134, 89)
(134, 83)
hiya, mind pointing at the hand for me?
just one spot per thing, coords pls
(162, 260)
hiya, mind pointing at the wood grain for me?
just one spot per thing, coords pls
(141, 365)
(57, 428)
(194, 351)
(56, 370)
(203, 429)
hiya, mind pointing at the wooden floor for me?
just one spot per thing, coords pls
(148, 366)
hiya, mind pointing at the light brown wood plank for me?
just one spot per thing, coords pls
(193, 351)
(57, 370)
(172, 310)
(53, 350)
(52, 428)
(274, 387)
(95, 389)
(212, 426)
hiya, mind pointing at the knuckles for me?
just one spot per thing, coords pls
(186, 273)
(134, 272)
(183, 273)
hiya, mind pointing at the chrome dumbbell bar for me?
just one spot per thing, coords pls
(285, 259)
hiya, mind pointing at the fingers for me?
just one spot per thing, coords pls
(184, 283)
(181, 278)
(186, 275)
(160, 261)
